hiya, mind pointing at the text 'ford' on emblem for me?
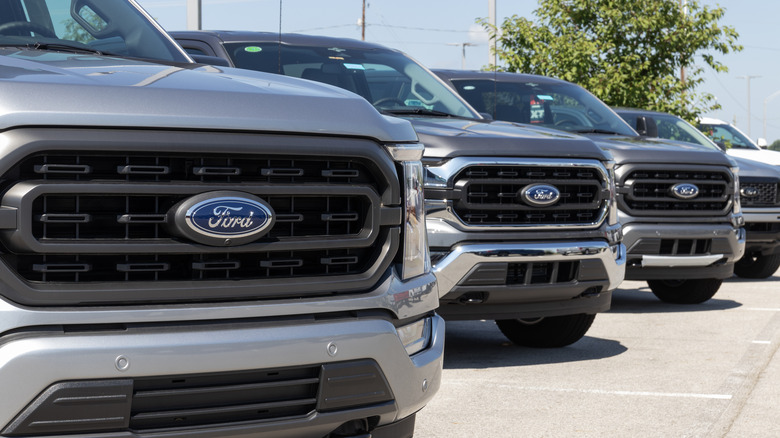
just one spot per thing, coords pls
(685, 191)
(540, 195)
(222, 218)
(749, 192)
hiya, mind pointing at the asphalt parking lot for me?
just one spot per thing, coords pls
(645, 369)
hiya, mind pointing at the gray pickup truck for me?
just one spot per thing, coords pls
(758, 189)
(522, 222)
(679, 204)
(190, 251)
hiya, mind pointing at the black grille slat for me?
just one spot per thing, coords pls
(534, 273)
(767, 194)
(647, 192)
(171, 267)
(213, 399)
(490, 195)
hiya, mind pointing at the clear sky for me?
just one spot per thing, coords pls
(433, 31)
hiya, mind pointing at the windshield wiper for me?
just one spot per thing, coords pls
(65, 48)
(417, 111)
(596, 131)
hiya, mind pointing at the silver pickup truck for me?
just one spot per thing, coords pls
(189, 251)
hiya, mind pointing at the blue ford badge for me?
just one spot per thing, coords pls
(685, 191)
(540, 195)
(749, 192)
(223, 218)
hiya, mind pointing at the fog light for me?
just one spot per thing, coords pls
(416, 336)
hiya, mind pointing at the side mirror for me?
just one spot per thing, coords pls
(721, 145)
(486, 116)
(762, 143)
(645, 126)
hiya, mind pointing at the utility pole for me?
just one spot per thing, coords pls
(492, 45)
(463, 55)
(194, 15)
(748, 78)
(363, 23)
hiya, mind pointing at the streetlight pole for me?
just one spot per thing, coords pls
(748, 78)
(492, 22)
(194, 15)
(463, 55)
(771, 96)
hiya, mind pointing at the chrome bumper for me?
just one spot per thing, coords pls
(454, 267)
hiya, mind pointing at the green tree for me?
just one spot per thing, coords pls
(627, 53)
(775, 146)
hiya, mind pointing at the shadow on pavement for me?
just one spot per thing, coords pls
(642, 300)
(735, 279)
(480, 344)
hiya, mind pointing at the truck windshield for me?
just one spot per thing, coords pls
(555, 105)
(728, 136)
(388, 79)
(116, 27)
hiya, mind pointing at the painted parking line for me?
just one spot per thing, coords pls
(762, 342)
(595, 391)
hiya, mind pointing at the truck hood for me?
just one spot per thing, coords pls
(655, 150)
(453, 137)
(762, 155)
(65, 89)
(750, 170)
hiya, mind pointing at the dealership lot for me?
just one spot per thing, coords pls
(645, 368)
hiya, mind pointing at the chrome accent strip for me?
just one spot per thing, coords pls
(457, 264)
(441, 177)
(677, 261)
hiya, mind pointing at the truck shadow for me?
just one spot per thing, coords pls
(480, 344)
(636, 297)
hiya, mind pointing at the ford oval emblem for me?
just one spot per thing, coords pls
(685, 191)
(223, 218)
(749, 192)
(540, 195)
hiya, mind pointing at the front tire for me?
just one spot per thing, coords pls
(757, 266)
(549, 332)
(685, 291)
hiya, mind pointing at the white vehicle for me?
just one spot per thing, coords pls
(736, 142)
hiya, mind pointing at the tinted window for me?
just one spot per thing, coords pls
(386, 78)
(555, 105)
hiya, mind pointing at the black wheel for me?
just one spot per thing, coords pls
(685, 291)
(757, 266)
(26, 26)
(549, 332)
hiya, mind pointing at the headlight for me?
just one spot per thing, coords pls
(416, 258)
(613, 208)
(737, 200)
(416, 336)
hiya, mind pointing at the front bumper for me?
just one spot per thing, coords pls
(763, 230)
(682, 251)
(84, 347)
(31, 364)
(528, 279)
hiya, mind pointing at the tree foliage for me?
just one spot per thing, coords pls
(627, 53)
(775, 146)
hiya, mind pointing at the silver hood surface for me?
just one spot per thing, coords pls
(65, 89)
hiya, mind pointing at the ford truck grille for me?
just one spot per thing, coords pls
(648, 191)
(91, 216)
(763, 194)
(491, 195)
